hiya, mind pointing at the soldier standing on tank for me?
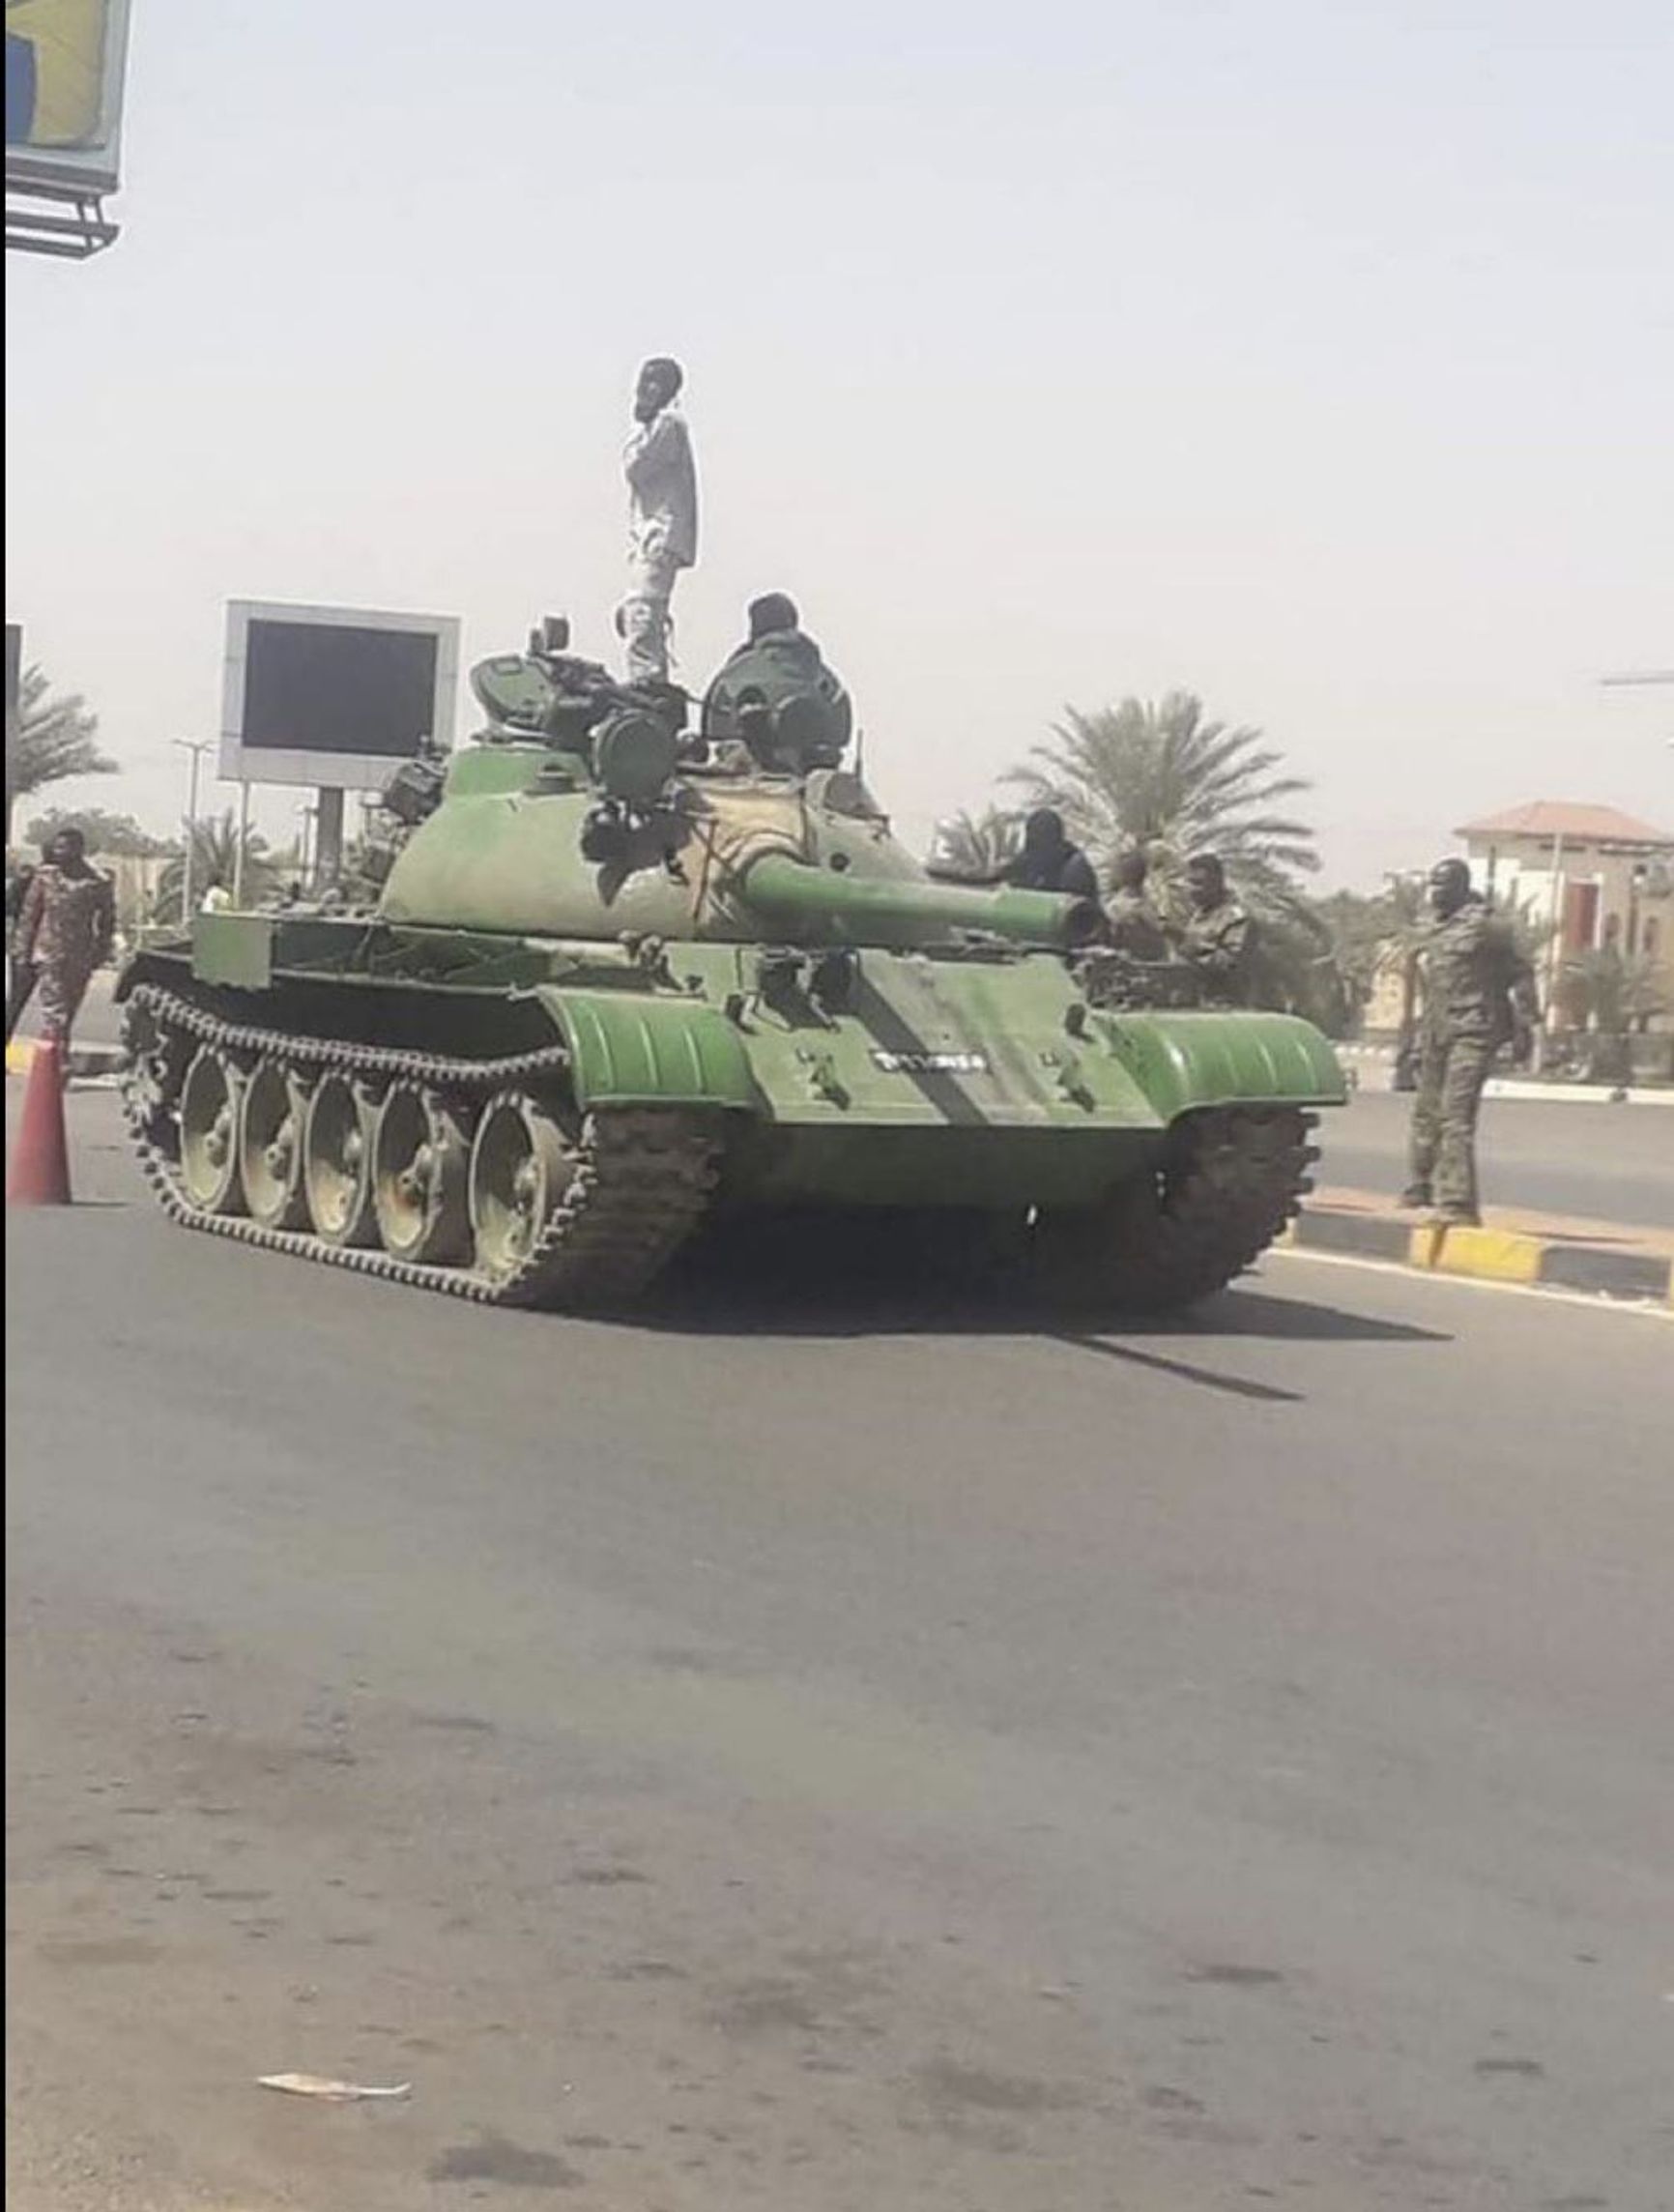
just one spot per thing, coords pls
(662, 518)
(1134, 926)
(1049, 862)
(1217, 939)
(1478, 994)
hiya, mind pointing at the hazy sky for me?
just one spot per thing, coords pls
(1316, 355)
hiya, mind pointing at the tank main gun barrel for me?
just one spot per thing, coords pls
(870, 910)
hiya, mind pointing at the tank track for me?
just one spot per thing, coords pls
(641, 1185)
(1237, 1176)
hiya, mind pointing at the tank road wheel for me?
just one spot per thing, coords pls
(521, 1167)
(1231, 1179)
(338, 1162)
(276, 1107)
(420, 1173)
(209, 1132)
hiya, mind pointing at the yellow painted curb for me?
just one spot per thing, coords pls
(1490, 1255)
(20, 1055)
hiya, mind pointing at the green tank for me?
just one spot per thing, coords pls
(622, 978)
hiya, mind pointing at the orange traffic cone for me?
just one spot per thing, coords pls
(41, 1157)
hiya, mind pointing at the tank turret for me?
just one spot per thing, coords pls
(586, 808)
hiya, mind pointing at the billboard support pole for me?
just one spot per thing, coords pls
(329, 836)
(196, 748)
(239, 848)
(14, 701)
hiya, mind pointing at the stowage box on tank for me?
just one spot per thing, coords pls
(620, 977)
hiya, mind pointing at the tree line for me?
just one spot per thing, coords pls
(1164, 777)
(53, 738)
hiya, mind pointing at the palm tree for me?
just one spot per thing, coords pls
(1371, 937)
(976, 847)
(1294, 968)
(1161, 776)
(214, 851)
(114, 836)
(50, 738)
(1610, 991)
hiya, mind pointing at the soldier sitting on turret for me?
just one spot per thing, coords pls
(777, 694)
(1133, 925)
(1050, 862)
(1217, 939)
(774, 615)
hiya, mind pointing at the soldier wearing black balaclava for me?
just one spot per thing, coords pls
(1050, 862)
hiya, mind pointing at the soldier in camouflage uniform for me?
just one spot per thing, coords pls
(63, 933)
(1134, 926)
(1218, 941)
(1479, 994)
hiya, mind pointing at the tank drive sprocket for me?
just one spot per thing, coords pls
(1229, 1181)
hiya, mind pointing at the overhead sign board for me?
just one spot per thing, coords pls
(333, 698)
(64, 69)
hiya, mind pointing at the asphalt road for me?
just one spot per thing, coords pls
(825, 1757)
(1606, 1163)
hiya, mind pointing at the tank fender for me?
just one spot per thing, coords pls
(632, 1050)
(1181, 1060)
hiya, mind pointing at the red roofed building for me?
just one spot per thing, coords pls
(1547, 818)
(1604, 877)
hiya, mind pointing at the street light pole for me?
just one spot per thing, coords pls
(197, 748)
(1637, 675)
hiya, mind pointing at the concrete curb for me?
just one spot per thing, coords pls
(84, 1060)
(1489, 1254)
(1577, 1093)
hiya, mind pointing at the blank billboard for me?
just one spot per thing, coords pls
(333, 696)
(64, 66)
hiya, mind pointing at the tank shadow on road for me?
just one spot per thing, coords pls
(1240, 1312)
(849, 1306)
(1184, 1370)
(810, 1298)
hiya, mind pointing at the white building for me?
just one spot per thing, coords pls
(1596, 877)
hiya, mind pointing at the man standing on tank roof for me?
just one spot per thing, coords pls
(662, 518)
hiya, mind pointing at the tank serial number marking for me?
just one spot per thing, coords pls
(931, 1062)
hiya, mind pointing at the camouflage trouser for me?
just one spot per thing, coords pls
(645, 618)
(61, 987)
(1443, 1143)
(21, 978)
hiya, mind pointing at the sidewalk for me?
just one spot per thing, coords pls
(85, 1060)
(1545, 1251)
(1371, 1067)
